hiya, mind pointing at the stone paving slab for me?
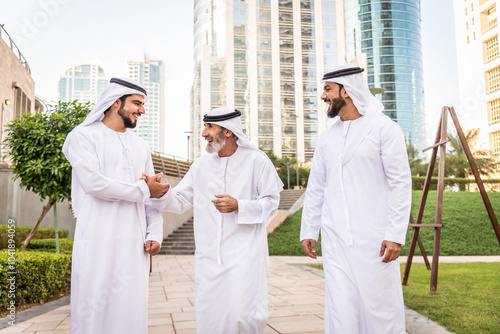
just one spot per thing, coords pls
(296, 300)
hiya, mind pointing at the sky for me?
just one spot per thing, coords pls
(55, 35)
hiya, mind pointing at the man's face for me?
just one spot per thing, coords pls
(131, 110)
(214, 136)
(331, 96)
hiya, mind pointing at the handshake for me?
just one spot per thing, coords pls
(156, 188)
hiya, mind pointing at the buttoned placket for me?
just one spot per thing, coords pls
(128, 170)
(345, 131)
(224, 162)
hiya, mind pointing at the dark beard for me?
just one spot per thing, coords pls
(335, 106)
(126, 121)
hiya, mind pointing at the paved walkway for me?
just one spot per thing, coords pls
(296, 300)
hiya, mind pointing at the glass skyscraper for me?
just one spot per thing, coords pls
(388, 34)
(151, 127)
(83, 83)
(266, 58)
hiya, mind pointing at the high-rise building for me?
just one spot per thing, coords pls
(387, 34)
(151, 127)
(478, 58)
(266, 58)
(83, 83)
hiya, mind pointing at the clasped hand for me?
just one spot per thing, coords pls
(156, 188)
(225, 203)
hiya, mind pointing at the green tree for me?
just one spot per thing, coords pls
(418, 168)
(34, 145)
(457, 164)
(281, 167)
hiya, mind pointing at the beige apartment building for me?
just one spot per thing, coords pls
(478, 55)
(17, 87)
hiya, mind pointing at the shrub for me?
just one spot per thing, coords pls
(39, 277)
(23, 231)
(492, 185)
(49, 245)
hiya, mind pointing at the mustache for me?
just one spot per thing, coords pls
(209, 138)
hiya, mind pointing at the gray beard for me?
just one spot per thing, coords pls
(217, 145)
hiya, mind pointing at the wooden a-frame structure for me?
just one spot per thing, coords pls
(440, 143)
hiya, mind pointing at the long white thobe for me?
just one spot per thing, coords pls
(230, 281)
(109, 277)
(357, 205)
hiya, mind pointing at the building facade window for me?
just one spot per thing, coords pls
(493, 80)
(22, 104)
(494, 112)
(491, 49)
(495, 143)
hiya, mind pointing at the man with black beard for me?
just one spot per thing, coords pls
(117, 227)
(359, 196)
(234, 192)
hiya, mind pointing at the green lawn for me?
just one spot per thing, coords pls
(467, 228)
(467, 299)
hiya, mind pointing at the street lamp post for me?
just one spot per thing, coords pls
(297, 147)
(188, 136)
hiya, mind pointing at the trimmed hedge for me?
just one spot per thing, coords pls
(39, 277)
(23, 231)
(492, 185)
(49, 245)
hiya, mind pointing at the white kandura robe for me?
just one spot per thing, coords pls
(357, 206)
(110, 269)
(230, 297)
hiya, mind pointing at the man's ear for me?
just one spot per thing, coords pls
(344, 93)
(228, 133)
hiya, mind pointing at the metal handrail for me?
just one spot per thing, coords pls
(14, 48)
(164, 155)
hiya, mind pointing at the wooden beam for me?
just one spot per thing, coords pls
(421, 207)
(426, 225)
(439, 201)
(421, 246)
(437, 144)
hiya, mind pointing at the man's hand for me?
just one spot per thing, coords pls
(225, 203)
(156, 188)
(152, 247)
(391, 250)
(309, 246)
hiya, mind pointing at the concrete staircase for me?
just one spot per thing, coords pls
(181, 241)
(169, 166)
(289, 197)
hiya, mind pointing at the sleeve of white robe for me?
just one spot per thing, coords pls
(259, 210)
(313, 202)
(85, 164)
(154, 218)
(178, 199)
(397, 169)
